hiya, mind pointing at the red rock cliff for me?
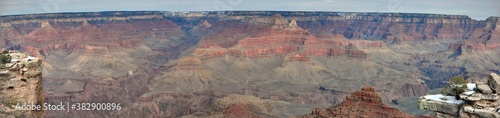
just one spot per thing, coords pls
(365, 103)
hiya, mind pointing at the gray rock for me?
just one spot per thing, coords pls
(483, 113)
(33, 63)
(472, 97)
(438, 106)
(8, 65)
(15, 66)
(479, 96)
(483, 88)
(480, 105)
(4, 72)
(468, 109)
(494, 82)
(490, 96)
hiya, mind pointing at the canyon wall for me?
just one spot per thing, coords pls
(389, 27)
(477, 35)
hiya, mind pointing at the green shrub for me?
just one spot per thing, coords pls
(5, 57)
(457, 85)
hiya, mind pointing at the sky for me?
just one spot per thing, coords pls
(477, 9)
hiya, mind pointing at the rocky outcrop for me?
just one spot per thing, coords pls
(337, 48)
(189, 63)
(281, 37)
(241, 106)
(494, 82)
(277, 37)
(204, 24)
(483, 88)
(365, 103)
(482, 38)
(280, 23)
(414, 89)
(297, 57)
(21, 84)
(191, 67)
(446, 106)
(477, 102)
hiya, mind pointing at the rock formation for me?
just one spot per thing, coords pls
(478, 102)
(21, 83)
(241, 106)
(365, 103)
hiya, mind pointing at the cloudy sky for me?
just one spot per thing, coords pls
(477, 9)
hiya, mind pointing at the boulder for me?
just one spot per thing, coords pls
(471, 97)
(9, 64)
(494, 82)
(15, 66)
(489, 96)
(483, 88)
(4, 72)
(483, 113)
(439, 106)
(478, 96)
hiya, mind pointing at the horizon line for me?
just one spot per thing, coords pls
(385, 12)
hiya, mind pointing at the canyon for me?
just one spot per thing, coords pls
(173, 64)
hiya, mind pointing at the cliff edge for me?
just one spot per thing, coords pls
(20, 83)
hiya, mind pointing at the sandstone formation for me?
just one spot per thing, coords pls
(285, 37)
(477, 102)
(365, 103)
(21, 83)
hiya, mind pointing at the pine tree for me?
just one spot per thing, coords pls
(457, 85)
